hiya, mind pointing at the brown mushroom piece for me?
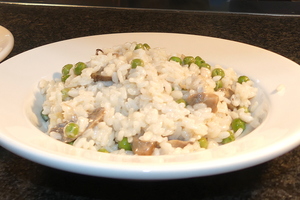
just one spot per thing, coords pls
(95, 117)
(142, 148)
(179, 143)
(211, 100)
(228, 93)
(97, 76)
(59, 128)
(98, 50)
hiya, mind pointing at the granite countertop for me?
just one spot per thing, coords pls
(33, 26)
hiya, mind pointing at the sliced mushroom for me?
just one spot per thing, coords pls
(97, 76)
(59, 128)
(211, 100)
(179, 143)
(140, 147)
(98, 50)
(227, 91)
(95, 117)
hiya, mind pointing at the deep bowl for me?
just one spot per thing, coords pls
(277, 132)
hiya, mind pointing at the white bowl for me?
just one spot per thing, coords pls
(275, 75)
(6, 42)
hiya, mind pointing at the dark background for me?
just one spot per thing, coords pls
(244, 6)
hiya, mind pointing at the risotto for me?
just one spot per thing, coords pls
(136, 100)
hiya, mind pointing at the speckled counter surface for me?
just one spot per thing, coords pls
(33, 26)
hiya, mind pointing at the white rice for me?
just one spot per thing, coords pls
(142, 101)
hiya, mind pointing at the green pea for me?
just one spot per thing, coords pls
(79, 67)
(124, 144)
(242, 79)
(219, 84)
(246, 109)
(203, 143)
(176, 59)
(218, 72)
(103, 150)
(181, 101)
(44, 117)
(237, 123)
(66, 69)
(230, 138)
(71, 130)
(198, 58)
(199, 61)
(205, 65)
(188, 60)
(137, 62)
(139, 46)
(64, 78)
(146, 46)
(64, 93)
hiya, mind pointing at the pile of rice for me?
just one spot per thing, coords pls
(142, 102)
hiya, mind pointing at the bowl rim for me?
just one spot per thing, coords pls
(165, 167)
